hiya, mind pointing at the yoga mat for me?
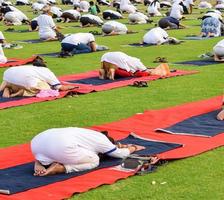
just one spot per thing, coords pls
(12, 62)
(34, 41)
(86, 88)
(140, 45)
(204, 125)
(197, 38)
(96, 81)
(142, 124)
(202, 62)
(24, 173)
(53, 55)
(18, 31)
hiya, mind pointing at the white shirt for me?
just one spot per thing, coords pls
(155, 36)
(46, 26)
(3, 59)
(138, 18)
(29, 76)
(77, 38)
(187, 3)
(220, 44)
(114, 12)
(117, 27)
(75, 13)
(154, 9)
(176, 11)
(37, 6)
(23, 1)
(57, 11)
(93, 17)
(123, 61)
(2, 36)
(14, 17)
(84, 6)
(66, 145)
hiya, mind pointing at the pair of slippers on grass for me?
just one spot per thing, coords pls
(160, 60)
(140, 84)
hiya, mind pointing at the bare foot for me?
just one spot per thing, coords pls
(38, 169)
(220, 116)
(67, 87)
(55, 168)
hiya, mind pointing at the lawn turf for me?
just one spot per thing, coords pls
(199, 177)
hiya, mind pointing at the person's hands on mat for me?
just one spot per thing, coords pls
(220, 116)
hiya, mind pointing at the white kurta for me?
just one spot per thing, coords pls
(76, 148)
(138, 17)
(117, 27)
(77, 38)
(46, 26)
(155, 36)
(124, 61)
(219, 48)
(29, 76)
(176, 11)
(3, 59)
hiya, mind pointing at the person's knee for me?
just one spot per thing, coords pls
(95, 161)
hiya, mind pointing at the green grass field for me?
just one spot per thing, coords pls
(194, 178)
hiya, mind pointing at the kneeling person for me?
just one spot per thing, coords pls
(78, 43)
(66, 150)
(29, 80)
(122, 65)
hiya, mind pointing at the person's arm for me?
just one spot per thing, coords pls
(93, 46)
(3, 85)
(220, 115)
(55, 168)
(217, 58)
(125, 151)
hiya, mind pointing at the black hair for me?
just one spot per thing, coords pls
(107, 135)
(91, 3)
(39, 62)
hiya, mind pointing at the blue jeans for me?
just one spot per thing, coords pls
(76, 49)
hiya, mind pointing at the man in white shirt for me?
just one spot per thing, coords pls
(71, 15)
(126, 6)
(84, 6)
(218, 50)
(90, 20)
(79, 43)
(3, 59)
(111, 14)
(29, 80)
(177, 10)
(189, 6)
(137, 18)
(122, 65)
(66, 150)
(13, 16)
(47, 27)
(22, 2)
(156, 36)
(153, 9)
(114, 28)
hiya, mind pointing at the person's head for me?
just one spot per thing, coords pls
(91, 3)
(39, 62)
(46, 9)
(107, 29)
(107, 135)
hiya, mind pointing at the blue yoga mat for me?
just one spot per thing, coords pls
(140, 45)
(96, 81)
(197, 38)
(205, 125)
(3, 100)
(199, 62)
(20, 178)
(53, 55)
